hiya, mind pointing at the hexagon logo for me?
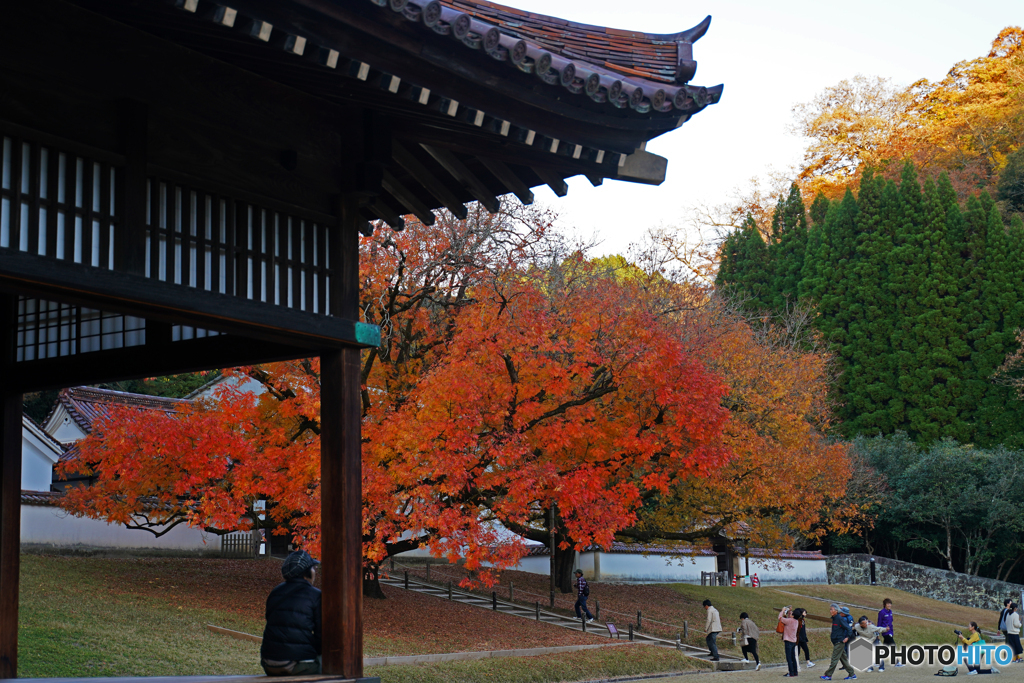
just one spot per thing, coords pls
(862, 654)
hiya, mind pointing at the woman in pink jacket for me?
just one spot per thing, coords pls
(789, 626)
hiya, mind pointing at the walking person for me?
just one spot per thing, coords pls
(582, 593)
(840, 636)
(800, 614)
(713, 626)
(885, 620)
(864, 629)
(789, 628)
(751, 634)
(1002, 617)
(292, 639)
(1013, 632)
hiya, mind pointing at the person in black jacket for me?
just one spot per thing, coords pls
(841, 635)
(292, 641)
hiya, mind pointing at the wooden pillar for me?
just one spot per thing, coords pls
(130, 231)
(10, 495)
(341, 523)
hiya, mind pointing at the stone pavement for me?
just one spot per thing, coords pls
(906, 674)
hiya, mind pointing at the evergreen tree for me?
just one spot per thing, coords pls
(819, 207)
(786, 253)
(869, 382)
(744, 271)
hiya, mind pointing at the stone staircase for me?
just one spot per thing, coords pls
(728, 662)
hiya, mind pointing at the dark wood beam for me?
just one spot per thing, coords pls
(341, 517)
(507, 176)
(469, 179)
(113, 291)
(553, 180)
(10, 496)
(409, 200)
(129, 242)
(148, 360)
(382, 210)
(438, 189)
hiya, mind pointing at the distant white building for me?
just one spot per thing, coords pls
(43, 523)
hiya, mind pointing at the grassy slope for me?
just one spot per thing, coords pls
(675, 604)
(147, 617)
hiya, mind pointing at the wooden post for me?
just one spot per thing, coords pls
(449, 590)
(428, 571)
(597, 609)
(130, 231)
(406, 579)
(686, 629)
(494, 600)
(551, 519)
(10, 496)
(511, 595)
(631, 632)
(536, 606)
(341, 463)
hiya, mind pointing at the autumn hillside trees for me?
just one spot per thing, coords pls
(965, 125)
(516, 378)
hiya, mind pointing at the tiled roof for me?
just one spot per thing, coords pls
(688, 550)
(50, 498)
(86, 404)
(626, 69)
(654, 57)
(37, 430)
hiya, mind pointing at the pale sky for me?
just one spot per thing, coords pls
(771, 55)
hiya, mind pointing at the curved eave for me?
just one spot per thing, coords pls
(458, 76)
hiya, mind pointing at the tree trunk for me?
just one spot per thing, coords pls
(564, 560)
(371, 581)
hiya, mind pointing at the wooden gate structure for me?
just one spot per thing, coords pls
(184, 183)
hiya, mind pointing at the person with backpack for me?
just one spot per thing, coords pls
(1002, 617)
(840, 637)
(582, 593)
(713, 626)
(800, 614)
(748, 629)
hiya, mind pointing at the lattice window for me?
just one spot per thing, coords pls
(48, 329)
(221, 244)
(57, 204)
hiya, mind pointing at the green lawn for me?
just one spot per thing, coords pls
(73, 623)
(629, 660)
(763, 606)
(147, 617)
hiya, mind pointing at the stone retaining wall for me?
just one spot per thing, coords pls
(928, 582)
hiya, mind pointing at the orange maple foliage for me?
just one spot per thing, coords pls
(514, 378)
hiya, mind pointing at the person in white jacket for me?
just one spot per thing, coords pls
(864, 629)
(1013, 628)
(712, 627)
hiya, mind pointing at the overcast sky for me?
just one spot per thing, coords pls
(771, 55)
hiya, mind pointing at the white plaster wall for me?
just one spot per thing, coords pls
(789, 571)
(62, 428)
(36, 464)
(47, 525)
(629, 567)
